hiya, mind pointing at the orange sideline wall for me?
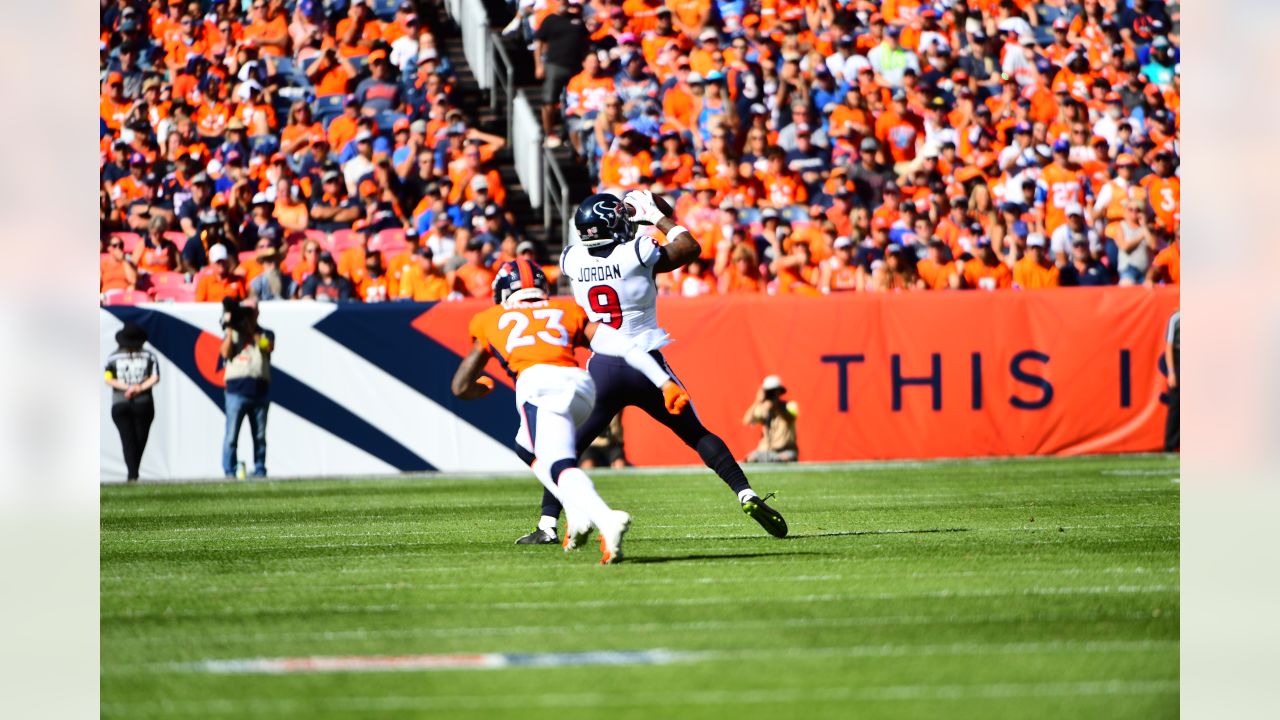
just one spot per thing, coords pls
(924, 375)
(910, 375)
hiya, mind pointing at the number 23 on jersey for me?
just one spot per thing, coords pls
(525, 335)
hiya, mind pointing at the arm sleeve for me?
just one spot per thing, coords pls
(608, 341)
(647, 250)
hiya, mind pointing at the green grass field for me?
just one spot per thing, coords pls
(1019, 588)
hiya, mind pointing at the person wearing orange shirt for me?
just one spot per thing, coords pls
(1167, 267)
(113, 108)
(690, 16)
(585, 95)
(474, 278)
(534, 338)
(839, 273)
(268, 27)
(342, 129)
(1060, 185)
(422, 280)
(358, 31)
(1164, 191)
(626, 166)
(682, 102)
(738, 269)
(782, 188)
(372, 283)
(1035, 270)
(900, 129)
(218, 282)
(117, 270)
(935, 270)
(984, 272)
(796, 272)
(331, 74)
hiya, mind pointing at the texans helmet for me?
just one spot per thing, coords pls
(603, 219)
(519, 280)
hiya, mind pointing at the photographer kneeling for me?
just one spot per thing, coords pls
(779, 420)
(246, 356)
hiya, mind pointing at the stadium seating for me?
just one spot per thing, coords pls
(178, 292)
(127, 297)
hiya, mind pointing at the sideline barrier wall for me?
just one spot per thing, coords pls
(365, 389)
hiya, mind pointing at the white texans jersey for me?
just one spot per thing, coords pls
(615, 285)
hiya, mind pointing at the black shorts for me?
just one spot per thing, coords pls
(555, 80)
(618, 385)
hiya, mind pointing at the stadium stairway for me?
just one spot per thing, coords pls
(475, 101)
(574, 172)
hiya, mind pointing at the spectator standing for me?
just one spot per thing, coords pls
(1135, 243)
(246, 355)
(1173, 366)
(131, 372)
(559, 45)
(778, 418)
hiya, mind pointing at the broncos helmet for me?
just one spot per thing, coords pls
(519, 280)
(602, 219)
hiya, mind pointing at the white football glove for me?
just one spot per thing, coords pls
(646, 212)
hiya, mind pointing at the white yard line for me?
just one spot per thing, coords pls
(752, 579)
(553, 628)
(342, 608)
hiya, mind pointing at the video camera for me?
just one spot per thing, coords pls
(234, 315)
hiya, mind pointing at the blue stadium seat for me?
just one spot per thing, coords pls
(328, 107)
(385, 9)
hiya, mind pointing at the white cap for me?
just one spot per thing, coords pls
(259, 198)
(773, 382)
(1075, 209)
(479, 182)
(217, 253)
(842, 242)
(1035, 240)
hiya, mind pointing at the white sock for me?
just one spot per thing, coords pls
(746, 495)
(548, 524)
(581, 492)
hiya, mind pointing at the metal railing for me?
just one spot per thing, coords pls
(525, 132)
(504, 79)
(556, 197)
(473, 22)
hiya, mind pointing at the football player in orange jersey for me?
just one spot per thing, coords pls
(534, 337)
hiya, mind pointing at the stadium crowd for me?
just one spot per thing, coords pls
(821, 146)
(315, 148)
(300, 149)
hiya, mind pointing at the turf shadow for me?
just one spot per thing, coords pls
(722, 556)
(843, 533)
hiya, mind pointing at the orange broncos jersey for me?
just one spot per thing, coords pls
(541, 333)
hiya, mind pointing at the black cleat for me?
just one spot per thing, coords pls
(771, 520)
(539, 537)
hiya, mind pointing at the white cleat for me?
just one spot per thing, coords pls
(611, 538)
(576, 537)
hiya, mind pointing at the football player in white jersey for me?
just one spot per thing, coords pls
(612, 274)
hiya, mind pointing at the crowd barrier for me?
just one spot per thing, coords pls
(365, 389)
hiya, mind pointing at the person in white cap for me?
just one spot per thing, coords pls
(778, 417)
(1035, 270)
